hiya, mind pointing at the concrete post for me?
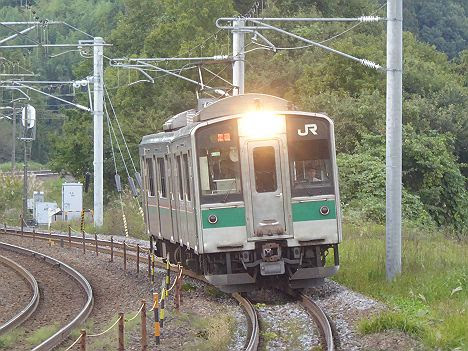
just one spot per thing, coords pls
(394, 137)
(238, 68)
(98, 108)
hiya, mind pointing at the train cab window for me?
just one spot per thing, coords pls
(150, 174)
(179, 175)
(162, 177)
(218, 162)
(310, 158)
(187, 176)
(265, 169)
(311, 168)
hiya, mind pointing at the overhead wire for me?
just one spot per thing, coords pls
(266, 47)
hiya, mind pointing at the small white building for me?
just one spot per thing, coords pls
(72, 200)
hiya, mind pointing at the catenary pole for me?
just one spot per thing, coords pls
(238, 53)
(25, 165)
(13, 140)
(98, 85)
(394, 137)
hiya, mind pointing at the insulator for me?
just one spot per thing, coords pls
(118, 185)
(132, 186)
(369, 19)
(138, 179)
(370, 64)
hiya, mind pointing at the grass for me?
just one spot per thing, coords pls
(32, 166)
(429, 298)
(42, 334)
(11, 193)
(9, 339)
(211, 333)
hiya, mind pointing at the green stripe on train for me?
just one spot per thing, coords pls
(227, 217)
(310, 211)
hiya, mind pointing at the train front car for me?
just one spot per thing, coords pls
(268, 190)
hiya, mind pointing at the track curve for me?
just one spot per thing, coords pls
(24, 314)
(65, 331)
(321, 319)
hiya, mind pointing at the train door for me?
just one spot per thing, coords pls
(180, 202)
(268, 215)
(173, 197)
(191, 221)
(164, 198)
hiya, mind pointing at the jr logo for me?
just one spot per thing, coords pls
(308, 128)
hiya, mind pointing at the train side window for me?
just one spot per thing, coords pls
(179, 175)
(187, 176)
(150, 173)
(162, 177)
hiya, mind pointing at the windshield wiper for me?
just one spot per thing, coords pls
(229, 191)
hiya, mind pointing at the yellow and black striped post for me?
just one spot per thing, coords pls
(157, 328)
(168, 275)
(152, 261)
(161, 311)
(82, 221)
(125, 223)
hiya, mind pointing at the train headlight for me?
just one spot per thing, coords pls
(261, 125)
(324, 210)
(212, 219)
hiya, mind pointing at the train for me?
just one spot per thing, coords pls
(245, 191)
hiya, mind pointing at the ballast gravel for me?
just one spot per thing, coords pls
(11, 304)
(198, 323)
(285, 325)
(347, 308)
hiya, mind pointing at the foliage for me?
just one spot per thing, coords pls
(11, 194)
(433, 184)
(441, 23)
(435, 89)
(431, 292)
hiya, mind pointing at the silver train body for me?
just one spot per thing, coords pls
(245, 190)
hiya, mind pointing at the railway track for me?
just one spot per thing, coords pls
(252, 344)
(41, 259)
(27, 311)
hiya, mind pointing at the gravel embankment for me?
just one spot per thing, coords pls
(116, 291)
(11, 304)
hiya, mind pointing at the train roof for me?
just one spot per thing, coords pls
(183, 122)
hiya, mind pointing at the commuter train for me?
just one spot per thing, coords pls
(245, 191)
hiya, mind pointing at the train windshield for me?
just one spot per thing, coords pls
(218, 162)
(310, 160)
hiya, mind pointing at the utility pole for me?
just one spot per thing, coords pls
(98, 84)
(238, 68)
(13, 140)
(394, 137)
(25, 165)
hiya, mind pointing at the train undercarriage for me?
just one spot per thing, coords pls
(271, 264)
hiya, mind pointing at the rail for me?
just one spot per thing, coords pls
(26, 312)
(321, 319)
(65, 331)
(77, 241)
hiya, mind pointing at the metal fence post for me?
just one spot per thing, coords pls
(121, 331)
(69, 237)
(83, 340)
(144, 339)
(96, 244)
(138, 258)
(112, 249)
(125, 256)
